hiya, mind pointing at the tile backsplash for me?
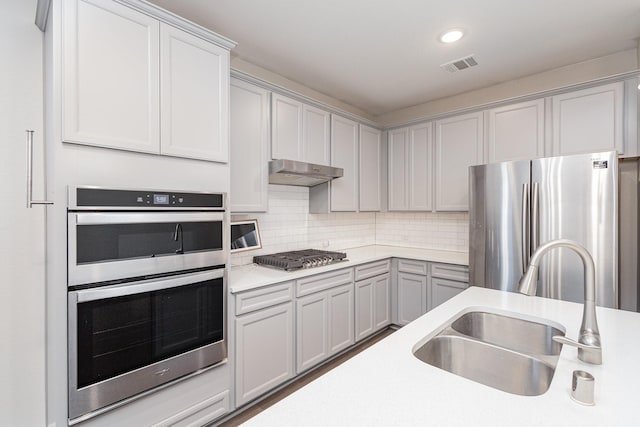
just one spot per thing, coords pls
(288, 225)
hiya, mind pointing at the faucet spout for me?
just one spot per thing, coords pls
(589, 346)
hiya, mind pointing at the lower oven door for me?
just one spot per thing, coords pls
(127, 339)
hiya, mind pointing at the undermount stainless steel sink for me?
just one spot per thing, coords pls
(507, 353)
(510, 332)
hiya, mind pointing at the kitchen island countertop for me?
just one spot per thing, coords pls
(246, 277)
(386, 385)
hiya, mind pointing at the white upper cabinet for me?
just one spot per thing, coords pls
(516, 132)
(459, 144)
(398, 176)
(344, 154)
(370, 165)
(286, 128)
(589, 120)
(249, 145)
(299, 131)
(194, 94)
(411, 168)
(111, 76)
(315, 135)
(420, 169)
(134, 83)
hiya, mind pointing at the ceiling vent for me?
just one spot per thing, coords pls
(460, 64)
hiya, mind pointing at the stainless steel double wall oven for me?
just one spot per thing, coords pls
(147, 291)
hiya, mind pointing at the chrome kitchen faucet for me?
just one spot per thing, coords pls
(589, 347)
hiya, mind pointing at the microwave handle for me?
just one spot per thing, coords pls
(92, 218)
(87, 295)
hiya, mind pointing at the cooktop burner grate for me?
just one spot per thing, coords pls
(294, 260)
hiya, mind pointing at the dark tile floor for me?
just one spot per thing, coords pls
(296, 385)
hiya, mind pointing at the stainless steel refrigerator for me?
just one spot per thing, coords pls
(516, 206)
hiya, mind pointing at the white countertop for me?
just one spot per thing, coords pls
(246, 277)
(386, 385)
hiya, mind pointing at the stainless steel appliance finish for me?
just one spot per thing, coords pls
(147, 292)
(516, 206)
(125, 227)
(114, 387)
(294, 260)
(588, 343)
(291, 172)
(507, 353)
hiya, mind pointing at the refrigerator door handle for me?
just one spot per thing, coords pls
(525, 228)
(535, 217)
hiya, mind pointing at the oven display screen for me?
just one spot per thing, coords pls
(160, 199)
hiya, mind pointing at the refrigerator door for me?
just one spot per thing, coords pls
(578, 197)
(498, 224)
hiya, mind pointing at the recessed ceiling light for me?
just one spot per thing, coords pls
(451, 36)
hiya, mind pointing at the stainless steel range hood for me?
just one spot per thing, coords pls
(291, 172)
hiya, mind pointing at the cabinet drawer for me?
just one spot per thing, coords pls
(249, 301)
(372, 269)
(320, 282)
(411, 266)
(450, 271)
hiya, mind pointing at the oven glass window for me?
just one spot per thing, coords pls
(117, 335)
(129, 241)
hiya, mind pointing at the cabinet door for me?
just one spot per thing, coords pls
(420, 162)
(110, 87)
(364, 308)
(264, 351)
(443, 290)
(249, 140)
(516, 132)
(286, 128)
(412, 297)
(344, 154)
(315, 135)
(458, 146)
(588, 120)
(312, 326)
(370, 164)
(398, 176)
(341, 330)
(194, 97)
(381, 301)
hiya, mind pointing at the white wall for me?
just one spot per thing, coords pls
(22, 290)
(288, 226)
(586, 71)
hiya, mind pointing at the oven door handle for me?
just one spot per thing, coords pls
(92, 218)
(150, 285)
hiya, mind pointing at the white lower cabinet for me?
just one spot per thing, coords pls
(324, 325)
(446, 282)
(372, 305)
(412, 297)
(264, 342)
(443, 290)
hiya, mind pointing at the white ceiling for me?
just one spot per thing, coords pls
(383, 55)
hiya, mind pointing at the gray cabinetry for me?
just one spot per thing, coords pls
(372, 299)
(264, 333)
(324, 317)
(249, 136)
(446, 281)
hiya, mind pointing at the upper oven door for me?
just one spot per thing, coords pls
(105, 246)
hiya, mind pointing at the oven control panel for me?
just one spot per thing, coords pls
(104, 198)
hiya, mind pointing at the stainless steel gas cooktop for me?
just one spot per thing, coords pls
(294, 260)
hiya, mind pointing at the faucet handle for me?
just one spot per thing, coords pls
(587, 353)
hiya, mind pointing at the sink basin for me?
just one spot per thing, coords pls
(504, 352)
(487, 364)
(509, 332)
